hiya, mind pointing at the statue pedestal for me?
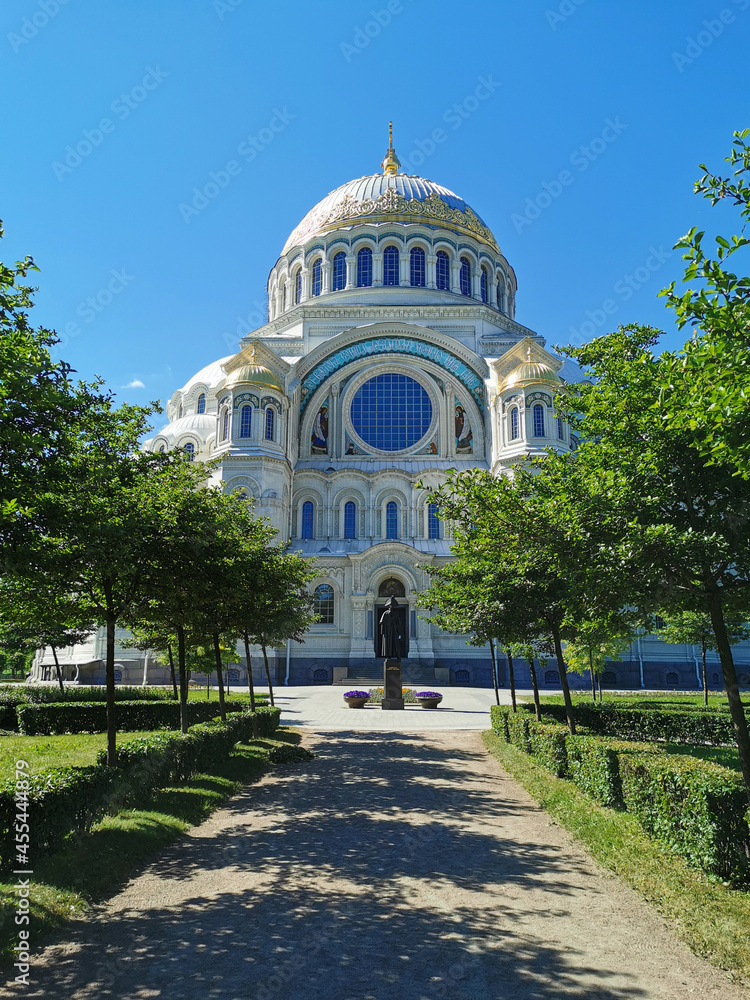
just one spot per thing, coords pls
(392, 697)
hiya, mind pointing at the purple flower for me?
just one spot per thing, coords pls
(356, 694)
(428, 694)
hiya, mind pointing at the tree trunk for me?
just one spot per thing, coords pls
(250, 688)
(564, 681)
(109, 669)
(537, 705)
(593, 679)
(599, 682)
(220, 675)
(58, 671)
(705, 675)
(494, 670)
(171, 671)
(511, 680)
(268, 672)
(184, 721)
(724, 649)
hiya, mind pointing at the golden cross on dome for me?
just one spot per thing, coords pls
(252, 359)
(528, 352)
(391, 163)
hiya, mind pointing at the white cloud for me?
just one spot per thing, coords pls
(135, 384)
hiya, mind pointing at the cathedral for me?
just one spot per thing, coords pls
(391, 354)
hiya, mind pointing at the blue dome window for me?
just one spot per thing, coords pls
(391, 519)
(390, 266)
(339, 272)
(416, 267)
(269, 424)
(484, 285)
(317, 277)
(189, 450)
(298, 288)
(364, 268)
(350, 519)
(391, 412)
(246, 421)
(539, 431)
(202, 403)
(433, 521)
(308, 513)
(443, 271)
(465, 276)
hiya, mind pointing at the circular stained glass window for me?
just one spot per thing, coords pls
(391, 412)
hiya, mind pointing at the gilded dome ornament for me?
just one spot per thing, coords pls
(391, 163)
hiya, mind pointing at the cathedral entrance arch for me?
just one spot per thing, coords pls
(392, 587)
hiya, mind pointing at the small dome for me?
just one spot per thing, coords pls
(531, 371)
(211, 375)
(202, 425)
(255, 375)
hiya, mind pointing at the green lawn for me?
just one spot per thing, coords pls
(41, 752)
(711, 917)
(93, 867)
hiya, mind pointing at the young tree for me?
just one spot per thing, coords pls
(681, 517)
(591, 653)
(696, 629)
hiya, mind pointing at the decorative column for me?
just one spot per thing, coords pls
(476, 283)
(456, 276)
(403, 267)
(493, 289)
(335, 444)
(351, 275)
(431, 270)
(326, 277)
(305, 284)
(377, 269)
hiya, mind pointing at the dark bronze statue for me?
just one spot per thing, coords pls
(390, 626)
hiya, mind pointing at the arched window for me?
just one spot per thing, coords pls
(225, 425)
(201, 408)
(538, 420)
(308, 513)
(179, 412)
(317, 277)
(443, 271)
(551, 677)
(269, 423)
(339, 272)
(283, 295)
(189, 450)
(433, 521)
(416, 267)
(323, 603)
(483, 284)
(390, 266)
(298, 287)
(246, 421)
(514, 423)
(161, 450)
(560, 433)
(350, 519)
(364, 268)
(391, 519)
(465, 276)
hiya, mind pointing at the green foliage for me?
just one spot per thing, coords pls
(669, 725)
(695, 807)
(69, 800)
(91, 717)
(594, 765)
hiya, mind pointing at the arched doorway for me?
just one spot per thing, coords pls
(392, 587)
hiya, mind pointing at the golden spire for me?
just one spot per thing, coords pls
(391, 163)
(252, 359)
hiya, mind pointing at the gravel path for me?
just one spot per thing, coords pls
(392, 867)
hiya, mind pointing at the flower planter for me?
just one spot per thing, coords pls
(429, 699)
(356, 699)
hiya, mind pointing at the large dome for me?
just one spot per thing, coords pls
(390, 197)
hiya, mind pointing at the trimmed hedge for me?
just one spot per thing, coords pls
(594, 765)
(69, 800)
(131, 716)
(695, 807)
(671, 725)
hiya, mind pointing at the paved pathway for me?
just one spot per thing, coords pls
(323, 708)
(395, 866)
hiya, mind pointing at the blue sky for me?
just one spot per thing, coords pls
(575, 129)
